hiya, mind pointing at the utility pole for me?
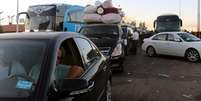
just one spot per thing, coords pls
(17, 26)
(198, 19)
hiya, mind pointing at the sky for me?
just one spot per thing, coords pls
(137, 10)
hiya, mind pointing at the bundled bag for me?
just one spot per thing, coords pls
(98, 3)
(121, 13)
(90, 9)
(111, 10)
(89, 18)
(107, 4)
(111, 18)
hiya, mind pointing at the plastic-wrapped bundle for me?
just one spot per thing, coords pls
(98, 3)
(90, 9)
(121, 13)
(107, 4)
(89, 18)
(111, 18)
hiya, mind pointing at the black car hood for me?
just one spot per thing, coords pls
(106, 46)
(13, 99)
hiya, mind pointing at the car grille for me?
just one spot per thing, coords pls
(105, 50)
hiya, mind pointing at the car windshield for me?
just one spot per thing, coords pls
(100, 31)
(188, 37)
(17, 60)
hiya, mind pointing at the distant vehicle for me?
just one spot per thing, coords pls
(73, 18)
(180, 44)
(109, 39)
(49, 17)
(39, 50)
(167, 23)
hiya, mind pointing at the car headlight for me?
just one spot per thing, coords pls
(117, 50)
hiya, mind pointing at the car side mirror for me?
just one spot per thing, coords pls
(177, 40)
(74, 87)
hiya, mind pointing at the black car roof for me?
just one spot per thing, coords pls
(37, 35)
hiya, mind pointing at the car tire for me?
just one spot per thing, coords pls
(192, 55)
(108, 91)
(150, 51)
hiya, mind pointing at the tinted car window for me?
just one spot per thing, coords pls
(188, 37)
(170, 37)
(161, 37)
(20, 66)
(100, 30)
(88, 53)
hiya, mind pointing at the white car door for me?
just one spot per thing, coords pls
(175, 48)
(160, 41)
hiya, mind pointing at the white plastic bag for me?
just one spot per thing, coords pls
(107, 4)
(90, 9)
(92, 18)
(111, 18)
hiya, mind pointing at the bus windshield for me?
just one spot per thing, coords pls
(40, 23)
(168, 26)
(41, 17)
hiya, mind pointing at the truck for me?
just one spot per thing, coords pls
(170, 22)
(47, 17)
(73, 19)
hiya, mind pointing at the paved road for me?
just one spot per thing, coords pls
(160, 78)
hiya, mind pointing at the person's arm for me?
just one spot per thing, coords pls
(75, 71)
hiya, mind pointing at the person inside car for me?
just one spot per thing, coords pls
(62, 71)
(66, 71)
(9, 68)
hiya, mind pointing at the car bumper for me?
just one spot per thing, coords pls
(116, 62)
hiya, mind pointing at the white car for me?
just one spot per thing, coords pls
(180, 44)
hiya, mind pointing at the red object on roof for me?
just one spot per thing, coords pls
(12, 28)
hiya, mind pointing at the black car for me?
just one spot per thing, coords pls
(109, 39)
(29, 68)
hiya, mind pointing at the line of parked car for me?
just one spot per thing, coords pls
(32, 72)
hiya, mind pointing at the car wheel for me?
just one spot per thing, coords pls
(192, 55)
(151, 51)
(109, 91)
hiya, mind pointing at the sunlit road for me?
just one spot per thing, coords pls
(160, 78)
